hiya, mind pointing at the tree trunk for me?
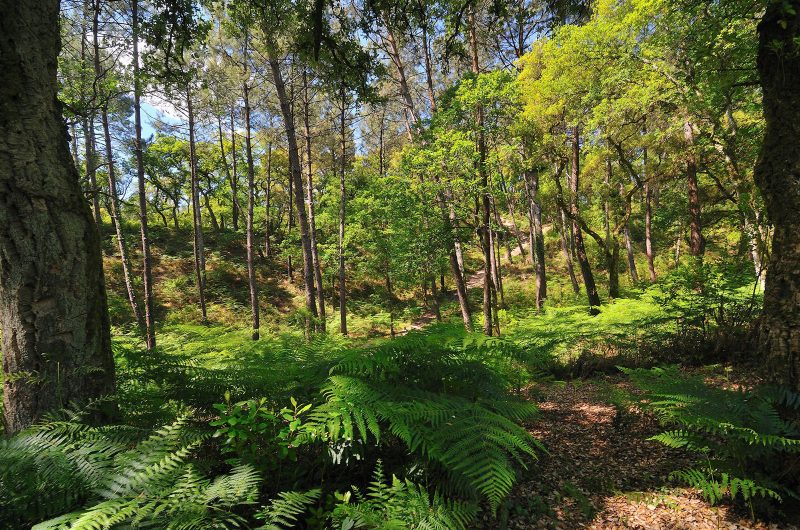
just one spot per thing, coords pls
(310, 199)
(697, 243)
(777, 174)
(342, 212)
(147, 274)
(567, 257)
(405, 92)
(648, 231)
(631, 260)
(580, 249)
(251, 269)
(268, 206)
(231, 180)
(197, 219)
(537, 242)
(297, 181)
(428, 67)
(112, 178)
(488, 284)
(235, 208)
(91, 168)
(56, 339)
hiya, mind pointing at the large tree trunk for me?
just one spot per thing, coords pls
(697, 243)
(310, 199)
(777, 174)
(116, 217)
(53, 312)
(147, 274)
(251, 268)
(296, 172)
(580, 249)
(343, 211)
(197, 218)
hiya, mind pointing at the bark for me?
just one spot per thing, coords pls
(310, 200)
(428, 68)
(236, 208)
(405, 92)
(91, 169)
(648, 231)
(56, 339)
(112, 178)
(147, 274)
(197, 218)
(777, 174)
(268, 205)
(697, 243)
(631, 260)
(488, 284)
(296, 174)
(231, 180)
(567, 257)
(580, 249)
(251, 269)
(343, 211)
(537, 238)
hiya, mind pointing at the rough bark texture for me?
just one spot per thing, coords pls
(53, 311)
(777, 174)
(251, 268)
(296, 172)
(147, 274)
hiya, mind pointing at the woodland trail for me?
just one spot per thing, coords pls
(602, 472)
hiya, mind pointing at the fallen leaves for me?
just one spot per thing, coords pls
(603, 473)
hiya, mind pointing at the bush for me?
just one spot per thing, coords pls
(747, 441)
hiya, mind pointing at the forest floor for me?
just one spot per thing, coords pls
(602, 472)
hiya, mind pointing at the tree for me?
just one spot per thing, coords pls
(53, 311)
(778, 176)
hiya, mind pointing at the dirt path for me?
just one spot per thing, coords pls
(603, 473)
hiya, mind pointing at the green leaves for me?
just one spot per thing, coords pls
(740, 433)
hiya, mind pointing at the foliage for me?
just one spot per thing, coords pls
(399, 505)
(105, 477)
(748, 441)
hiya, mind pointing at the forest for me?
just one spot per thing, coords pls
(400, 264)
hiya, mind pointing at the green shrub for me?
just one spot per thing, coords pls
(747, 441)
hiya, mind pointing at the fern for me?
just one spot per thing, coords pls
(741, 435)
(119, 481)
(415, 390)
(401, 505)
(283, 512)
